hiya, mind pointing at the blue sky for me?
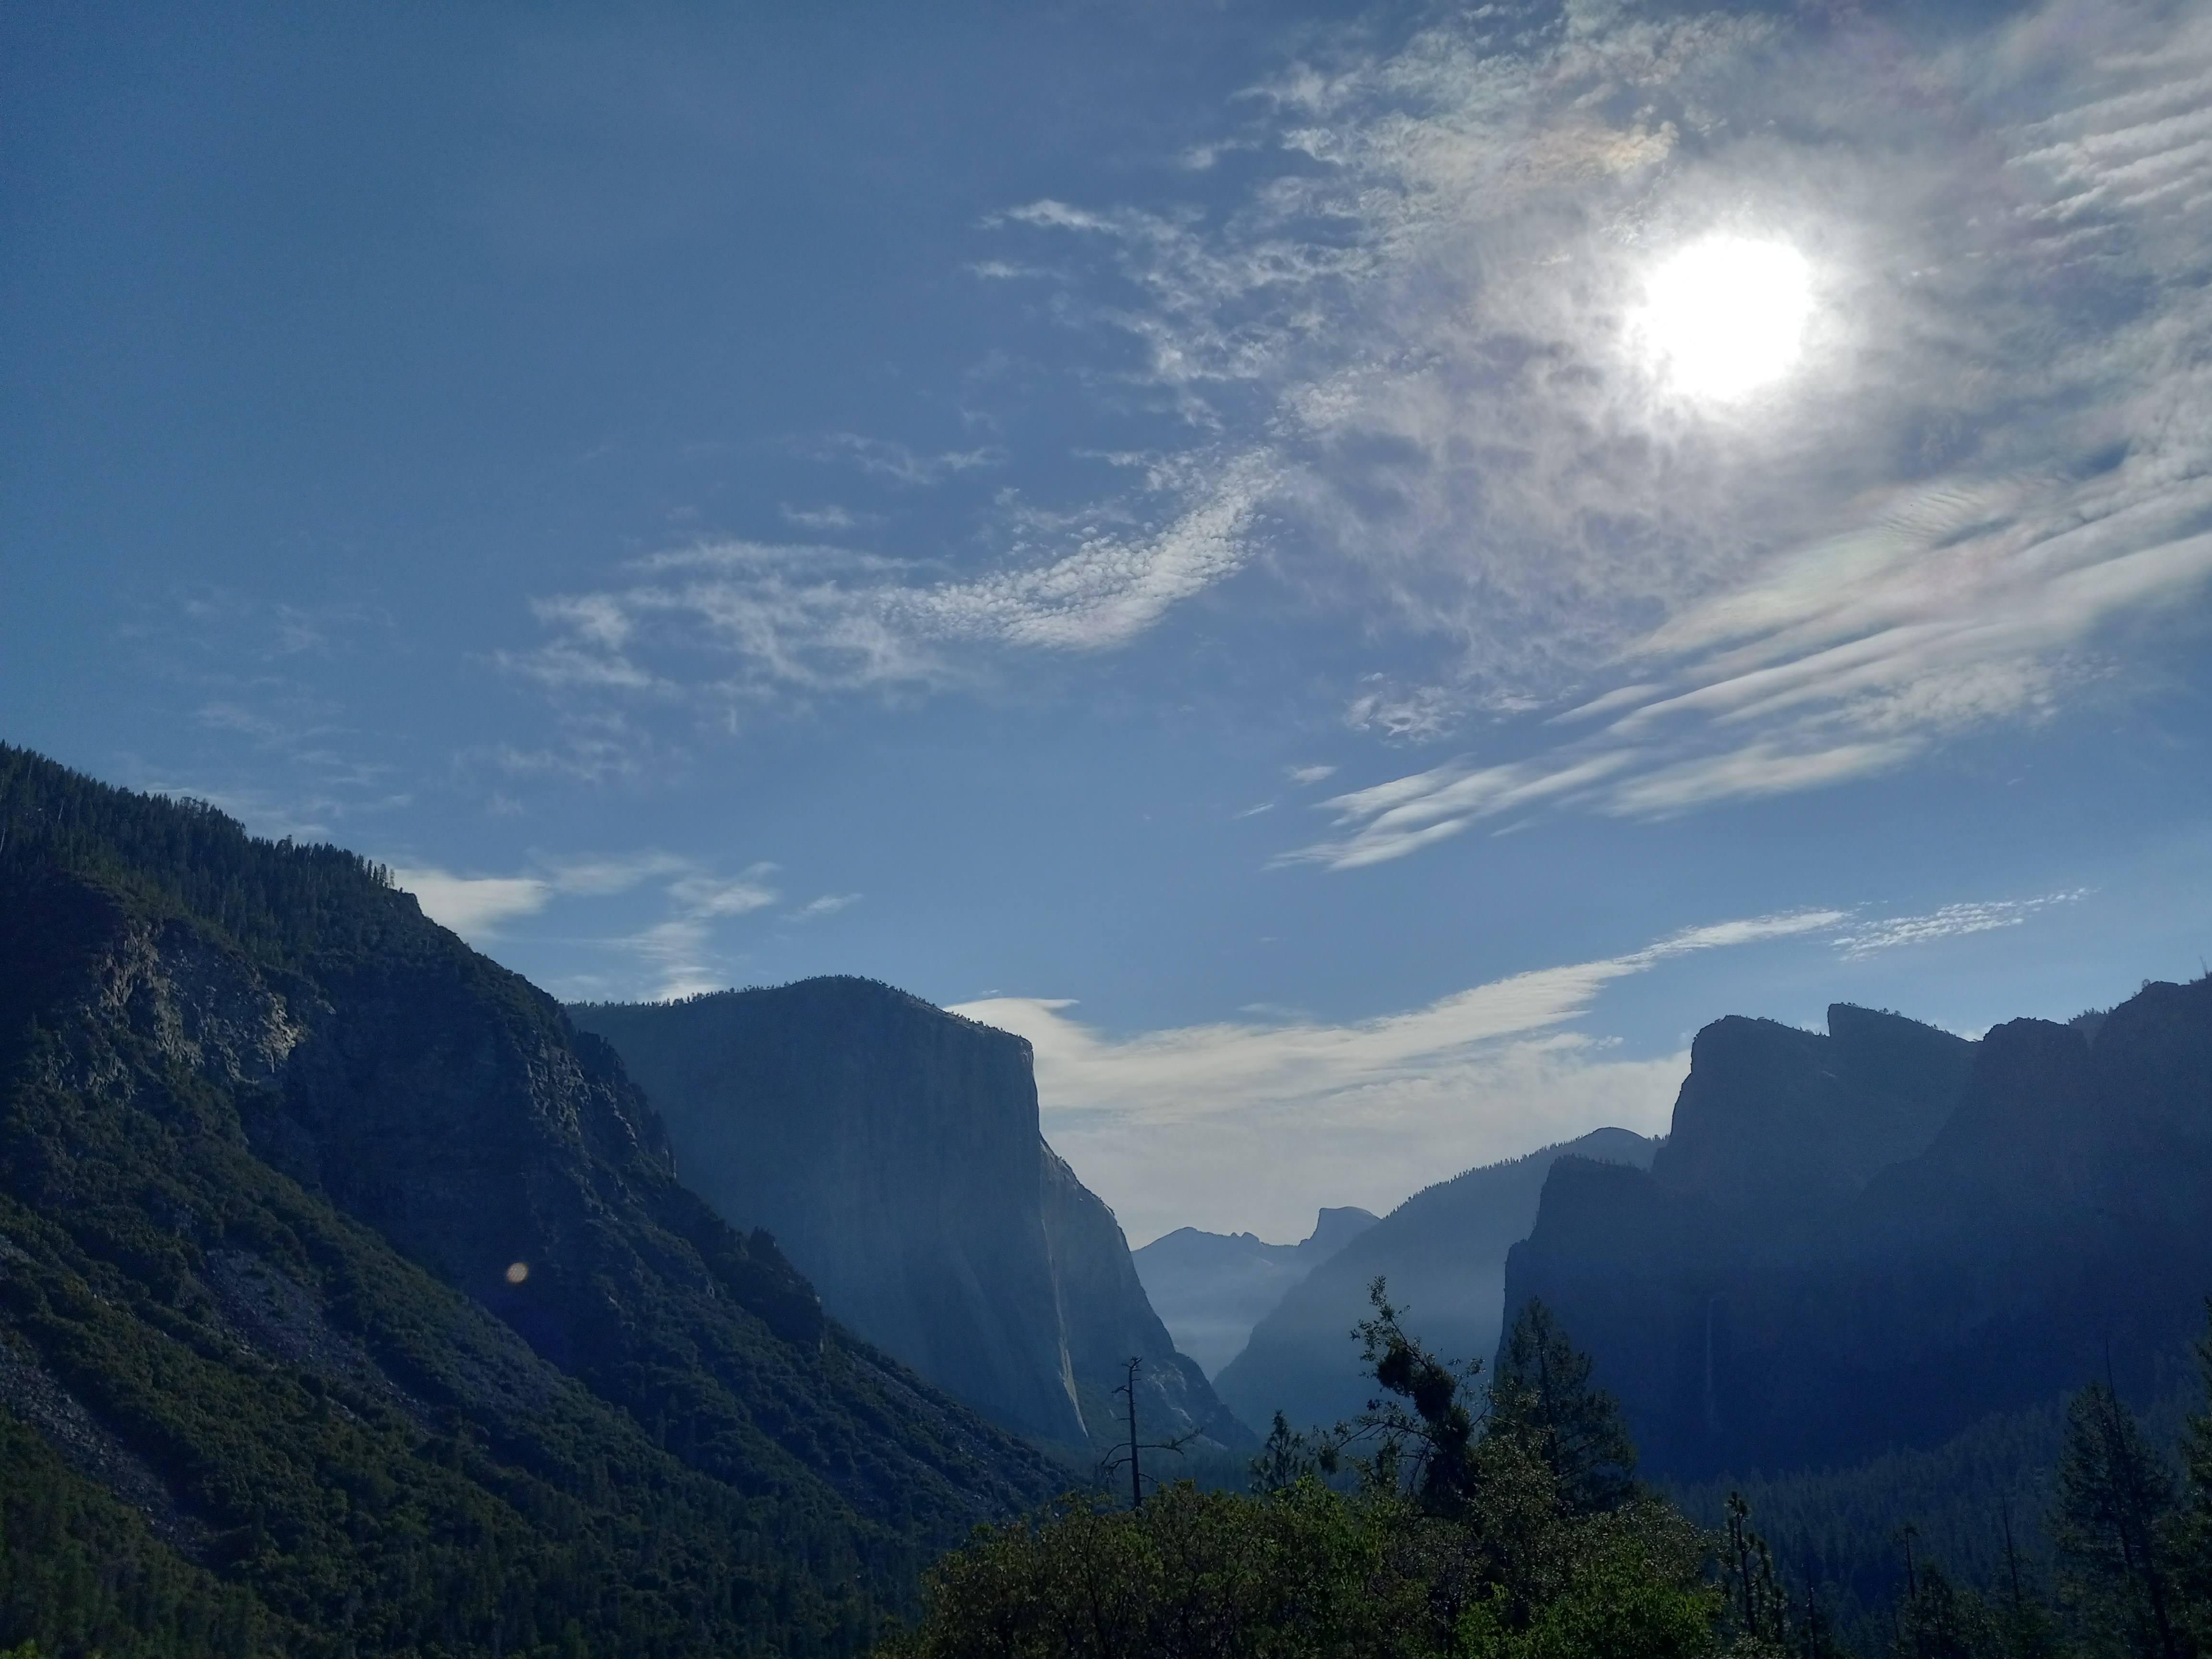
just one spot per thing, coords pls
(1356, 574)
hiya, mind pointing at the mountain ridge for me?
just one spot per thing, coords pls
(330, 1248)
(2054, 1217)
(1443, 1252)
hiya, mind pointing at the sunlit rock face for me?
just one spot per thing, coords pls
(1873, 1238)
(894, 1152)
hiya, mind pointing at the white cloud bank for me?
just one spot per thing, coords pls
(1237, 1127)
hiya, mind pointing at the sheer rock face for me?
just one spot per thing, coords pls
(893, 1151)
(1873, 1238)
(1772, 1118)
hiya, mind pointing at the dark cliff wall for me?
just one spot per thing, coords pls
(893, 1151)
(1787, 1298)
(1443, 1253)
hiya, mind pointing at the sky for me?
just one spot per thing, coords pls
(1355, 574)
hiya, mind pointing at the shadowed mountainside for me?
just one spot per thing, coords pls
(1211, 1289)
(330, 1253)
(1444, 1252)
(1873, 1239)
(893, 1149)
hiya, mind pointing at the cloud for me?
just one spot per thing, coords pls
(828, 520)
(885, 458)
(472, 906)
(1237, 1127)
(1993, 461)
(680, 951)
(1310, 774)
(827, 905)
(751, 621)
(1394, 362)
(1949, 920)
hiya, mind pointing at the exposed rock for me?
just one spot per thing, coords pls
(301, 1197)
(893, 1151)
(1781, 1296)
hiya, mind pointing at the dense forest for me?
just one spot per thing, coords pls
(348, 1304)
(1504, 1522)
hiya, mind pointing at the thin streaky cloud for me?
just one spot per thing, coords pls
(1357, 1110)
(1948, 921)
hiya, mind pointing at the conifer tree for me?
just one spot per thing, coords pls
(1543, 1392)
(2192, 1525)
(2113, 1526)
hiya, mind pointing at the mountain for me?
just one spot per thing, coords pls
(893, 1149)
(349, 1302)
(1875, 1238)
(1211, 1289)
(1443, 1253)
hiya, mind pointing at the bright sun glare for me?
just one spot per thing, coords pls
(1726, 315)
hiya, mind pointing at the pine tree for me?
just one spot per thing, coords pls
(1438, 1435)
(2112, 1525)
(2192, 1524)
(1542, 1391)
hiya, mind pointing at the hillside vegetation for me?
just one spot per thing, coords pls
(348, 1303)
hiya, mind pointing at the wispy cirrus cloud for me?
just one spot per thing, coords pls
(743, 621)
(1948, 921)
(828, 904)
(677, 951)
(1991, 462)
(1402, 370)
(1253, 1126)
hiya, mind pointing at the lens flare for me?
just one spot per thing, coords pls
(1726, 315)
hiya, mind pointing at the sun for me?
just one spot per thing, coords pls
(1726, 315)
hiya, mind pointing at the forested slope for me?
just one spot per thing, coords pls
(338, 1262)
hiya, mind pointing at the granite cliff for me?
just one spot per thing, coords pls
(1873, 1238)
(893, 1151)
(1443, 1253)
(347, 1289)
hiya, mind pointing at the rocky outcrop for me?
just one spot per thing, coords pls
(1211, 1289)
(299, 1194)
(1875, 1238)
(893, 1151)
(1443, 1252)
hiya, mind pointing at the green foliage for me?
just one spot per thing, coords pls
(2192, 1525)
(79, 1574)
(342, 1453)
(1431, 1447)
(2115, 1517)
(1543, 1391)
(1634, 1593)
(1470, 1535)
(1302, 1571)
